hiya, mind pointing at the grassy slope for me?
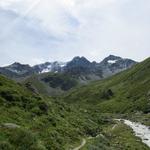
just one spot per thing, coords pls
(51, 83)
(128, 91)
(45, 123)
(115, 137)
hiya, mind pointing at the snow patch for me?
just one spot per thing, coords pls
(15, 71)
(62, 65)
(48, 69)
(54, 66)
(112, 61)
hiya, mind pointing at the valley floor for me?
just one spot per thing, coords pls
(141, 131)
(123, 135)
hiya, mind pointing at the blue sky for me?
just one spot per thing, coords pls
(35, 31)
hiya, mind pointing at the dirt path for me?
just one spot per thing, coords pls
(82, 144)
(140, 131)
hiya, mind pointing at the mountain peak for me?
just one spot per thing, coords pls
(79, 65)
(78, 59)
(112, 57)
(17, 64)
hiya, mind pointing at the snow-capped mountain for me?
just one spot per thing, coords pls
(16, 70)
(49, 67)
(92, 70)
(114, 64)
(78, 67)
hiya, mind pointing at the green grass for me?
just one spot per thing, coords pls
(53, 123)
(129, 92)
(122, 137)
(115, 137)
(142, 118)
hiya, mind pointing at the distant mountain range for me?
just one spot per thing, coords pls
(128, 91)
(78, 67)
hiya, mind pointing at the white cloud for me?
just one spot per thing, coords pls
(6, 3)
(61, 29)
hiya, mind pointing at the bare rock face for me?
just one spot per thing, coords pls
(78, 67)
(114, 64)
(17, 70)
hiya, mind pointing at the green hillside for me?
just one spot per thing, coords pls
(128, 91)
(50, 83)
(33, 122)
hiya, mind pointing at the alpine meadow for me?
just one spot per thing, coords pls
(74, 75)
